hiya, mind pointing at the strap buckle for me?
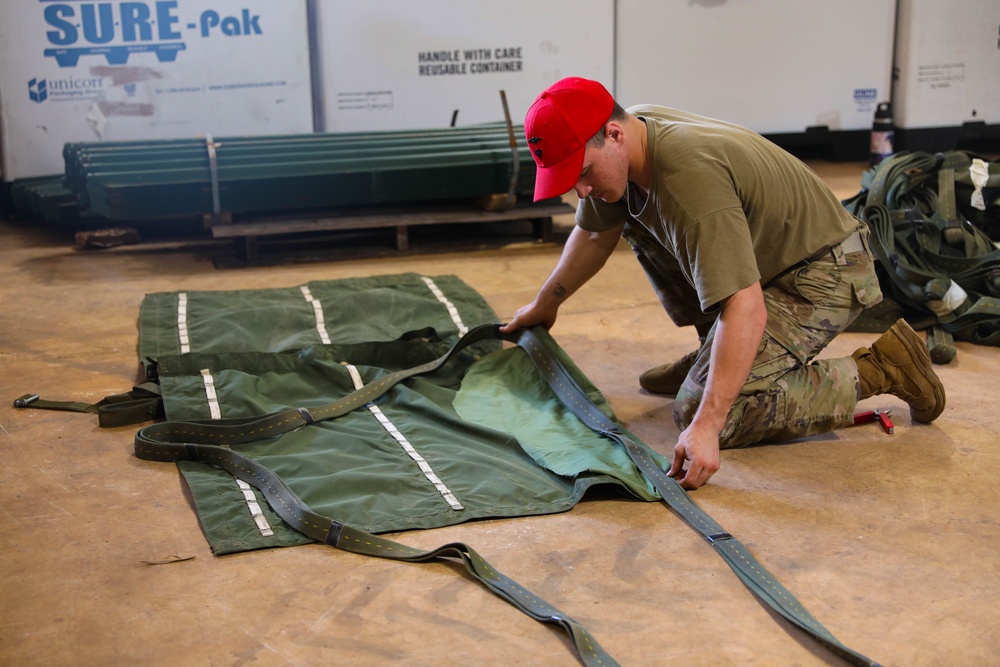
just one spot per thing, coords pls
(718, 537)
(306, 416)
(25, 400)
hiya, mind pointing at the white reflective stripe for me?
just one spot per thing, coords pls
(258, 516)
(391, 429)
(979, 172)
(355, 375)
(452, 310)
(320, 322)
(182, 322)
(952, 299)
(248, 494)
(318, 314)
(213, 399)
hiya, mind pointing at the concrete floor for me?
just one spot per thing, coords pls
(889, 540)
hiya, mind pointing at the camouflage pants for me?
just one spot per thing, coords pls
(787, 395)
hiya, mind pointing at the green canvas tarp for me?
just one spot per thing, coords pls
(482, 437)
(350, 310)
(422, 419)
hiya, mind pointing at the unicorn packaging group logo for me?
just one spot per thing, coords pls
(69, 89)
(38, 90)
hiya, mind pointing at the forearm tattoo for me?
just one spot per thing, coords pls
(559, 291)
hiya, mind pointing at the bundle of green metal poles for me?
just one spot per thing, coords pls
(174, 178)
(44, 197)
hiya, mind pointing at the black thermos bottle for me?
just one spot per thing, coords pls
(883, 133)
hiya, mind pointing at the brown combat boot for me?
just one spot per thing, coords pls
(667, 379)
(898, 363)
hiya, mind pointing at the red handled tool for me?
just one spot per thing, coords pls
(876, 415)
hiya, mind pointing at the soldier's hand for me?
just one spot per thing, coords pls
(529, 316)
(700, 448)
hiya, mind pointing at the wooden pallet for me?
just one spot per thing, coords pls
(402, 219)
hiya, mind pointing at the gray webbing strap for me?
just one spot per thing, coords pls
(187, 441)
(299, 516)
(742, 562)
(141, 404)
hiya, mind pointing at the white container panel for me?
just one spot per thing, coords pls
(397, 64)
(775, 66)
(115, 70)
(948, 63)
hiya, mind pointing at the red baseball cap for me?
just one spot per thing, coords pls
(558, 126)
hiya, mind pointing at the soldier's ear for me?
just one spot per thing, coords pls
(614, 131)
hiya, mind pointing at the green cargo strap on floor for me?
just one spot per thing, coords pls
(186, 441)
(142, 404)
(336, 534)
(536, 343)
(934, 220)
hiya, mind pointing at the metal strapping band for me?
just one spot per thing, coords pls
(213, 166)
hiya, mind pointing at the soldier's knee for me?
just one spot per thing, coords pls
(684, 409)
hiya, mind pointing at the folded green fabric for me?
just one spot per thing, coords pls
(483, 437)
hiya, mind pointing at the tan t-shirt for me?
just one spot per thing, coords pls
(730, 206)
